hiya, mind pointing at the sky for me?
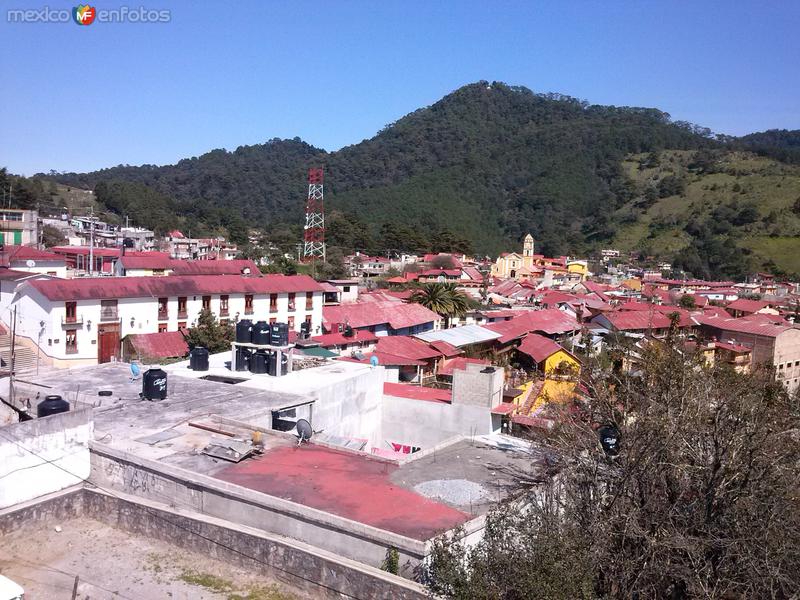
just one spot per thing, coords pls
(225, 74)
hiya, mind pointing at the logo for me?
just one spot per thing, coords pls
(83, 14)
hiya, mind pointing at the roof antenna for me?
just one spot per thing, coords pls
(304, 431)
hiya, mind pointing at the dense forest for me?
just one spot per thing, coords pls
(476, 170)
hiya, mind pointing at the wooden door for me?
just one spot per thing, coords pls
(108, 343)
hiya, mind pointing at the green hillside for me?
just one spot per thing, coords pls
(711, 213)
(482, 167)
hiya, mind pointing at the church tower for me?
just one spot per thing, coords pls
(527, 246)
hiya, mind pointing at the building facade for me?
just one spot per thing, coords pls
(82, 321)
(19, 227)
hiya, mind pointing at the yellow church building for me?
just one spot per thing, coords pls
(529, 265)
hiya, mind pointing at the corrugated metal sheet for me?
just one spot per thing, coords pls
(460, 336)
(167, 344)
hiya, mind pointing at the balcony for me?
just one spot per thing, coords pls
(70, 321)
(163, 315)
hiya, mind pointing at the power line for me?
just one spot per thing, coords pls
(187, 529)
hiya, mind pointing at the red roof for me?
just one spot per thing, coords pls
(217, 267)
(406, 346)
(549, 321)
(25, 253)
(338, 338)
(745, 305)
(147, 260)
(167, 344)
(636, 320)
(396, 314)
(460, 364)
(417, 392)
(732, 347)
(538, 347)
(12, 275)
(155, 287)
(744, 325)
(504, 408)
(446, 348)
(437, 272)
(84, 251)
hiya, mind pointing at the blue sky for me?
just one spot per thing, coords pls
(221, 75)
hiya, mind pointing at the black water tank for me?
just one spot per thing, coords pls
(258, 362)
(279, 336)
(260, 333)
(273, 364)
(305, 329)
(51, 405)
(198, 359)
(243, 331)
(242, 359)
(609, 439)
(154, 384)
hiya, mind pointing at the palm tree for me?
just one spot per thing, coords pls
(445, 299)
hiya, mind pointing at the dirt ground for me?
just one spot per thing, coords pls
(112, 564)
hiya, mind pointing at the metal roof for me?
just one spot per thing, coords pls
(460, 336)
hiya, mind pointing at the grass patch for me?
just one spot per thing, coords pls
(233, 591)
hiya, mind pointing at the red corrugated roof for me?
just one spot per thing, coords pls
(732, 347)
(751, 326)
(460, 364)
(84, 251)
(505, 408)
(12, 275)
(407, 346)
(636, 320)
(417, 392)
(745, 305)
(445, 348)
(156, 287)
(148, 260)
(25, 253)
(550, 321)
(217, 267)
(538, 347)
(338, 339)
(367, 314)
(168, 344)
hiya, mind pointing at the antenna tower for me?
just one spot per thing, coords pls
(314, 230)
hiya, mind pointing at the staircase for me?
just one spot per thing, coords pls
(25, 358)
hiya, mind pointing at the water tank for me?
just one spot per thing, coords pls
(273, 364)
(243, 331)
(51, 405)
(242, 359)
(198, 359)
(609, 439)
(154, 384)
(258, 362)
(260, 333)
(279, 336)
(305, 329)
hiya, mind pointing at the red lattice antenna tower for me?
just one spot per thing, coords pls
(314, 233)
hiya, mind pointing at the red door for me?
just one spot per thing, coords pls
(108, 343)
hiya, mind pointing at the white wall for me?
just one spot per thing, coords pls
(45, 455)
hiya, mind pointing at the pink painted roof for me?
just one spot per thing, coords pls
(25, 253)
(637, 320)
(168, 344)
(354, 486)
(460, 364)
(407, 346)
(504, 408)
(7, 274)
(550, 321)
(744, 325)
(147, 260)
(417, 392)
(733, 347)
(156, 287)
(473, 273)
(367, 314)
(538, 347)
(445, 348)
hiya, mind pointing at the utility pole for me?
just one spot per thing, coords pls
(91, 240)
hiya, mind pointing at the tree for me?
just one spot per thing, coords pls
(699, 500)
(687, 301)
(52, 236)
(445, 299)
(210, 333)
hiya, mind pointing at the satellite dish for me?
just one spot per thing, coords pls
(609, 439)
(304, 430)
(30, 263)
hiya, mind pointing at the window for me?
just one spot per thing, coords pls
(291, 301)
(181, 325)
(108, 310)
(273, 320)
(346, 288)
(162, 308)
(181, 307)
(158, 271)
(309, 300)
(162, 328)
(223, 305)
(72, 312)
(206, 302)
(273, 303)
(72, 342)
(248, 304)
(291, 323)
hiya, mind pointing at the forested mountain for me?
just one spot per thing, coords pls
(479, 169)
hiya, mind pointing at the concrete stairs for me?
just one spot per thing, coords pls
(25, 357)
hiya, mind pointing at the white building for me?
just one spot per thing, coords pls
(82, 321)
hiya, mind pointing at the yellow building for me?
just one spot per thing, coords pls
(561, 370)
(578, 267)
(512, 265)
